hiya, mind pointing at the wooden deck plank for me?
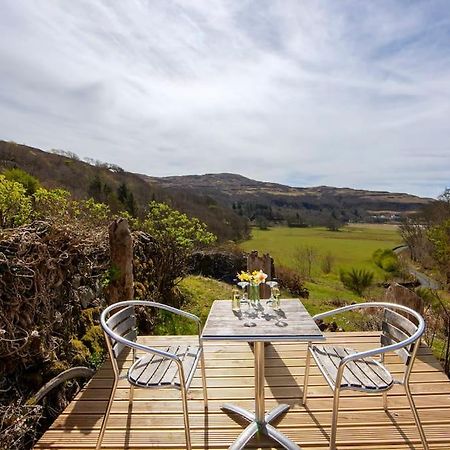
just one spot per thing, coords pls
(216, 419)
(155, 419)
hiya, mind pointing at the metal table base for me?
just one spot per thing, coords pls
(260, 421)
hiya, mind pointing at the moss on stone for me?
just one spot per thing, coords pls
(81, 352)
(94, 340)
(88, 316)
(56, 367)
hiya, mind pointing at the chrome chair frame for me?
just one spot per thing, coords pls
(184, 383)
(413, 340)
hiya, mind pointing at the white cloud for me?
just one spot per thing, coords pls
(340, 93)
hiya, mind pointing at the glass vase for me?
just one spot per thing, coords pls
(253, 293)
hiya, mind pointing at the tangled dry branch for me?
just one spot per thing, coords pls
(52, 279)
(44, 270)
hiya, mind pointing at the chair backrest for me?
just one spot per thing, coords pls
(397, 328)
(120, 323)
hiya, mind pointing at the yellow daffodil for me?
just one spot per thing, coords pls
(256, 277)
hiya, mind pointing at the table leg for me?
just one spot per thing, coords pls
(259, 383)
(260, 421)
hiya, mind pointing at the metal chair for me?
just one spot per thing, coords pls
(345, 368)
(171, 367)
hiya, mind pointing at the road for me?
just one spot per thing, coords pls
(424, 280)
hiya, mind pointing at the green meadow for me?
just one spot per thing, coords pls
(353, 246)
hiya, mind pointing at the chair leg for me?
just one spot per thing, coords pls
(106, 416)
(334, 418)
(203, 369)
(416, 417)
(385, 401)
(187, 430)
(306, 377)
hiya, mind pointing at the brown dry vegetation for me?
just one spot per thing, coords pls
(53, 285)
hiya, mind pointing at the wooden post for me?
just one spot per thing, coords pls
(121, 262)
(264, 263)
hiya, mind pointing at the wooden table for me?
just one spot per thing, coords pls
(291, 323)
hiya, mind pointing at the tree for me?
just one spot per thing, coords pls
(414, 234)
(333, 222)
(305, 258)
(95, 188)
(163, 222)
(439, 236)
(101, 191)
(262, 223)
(126, 197)
(177, 236)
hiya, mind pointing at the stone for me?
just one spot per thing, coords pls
(401, 295)
(85, 295)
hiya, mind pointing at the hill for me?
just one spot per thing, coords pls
(223, 201)
(118, 188)
(278, 202)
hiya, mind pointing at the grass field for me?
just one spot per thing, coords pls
(351, 247)
(199, 293)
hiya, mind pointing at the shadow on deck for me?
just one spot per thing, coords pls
(154, 419)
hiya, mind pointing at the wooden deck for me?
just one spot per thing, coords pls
(155, 419)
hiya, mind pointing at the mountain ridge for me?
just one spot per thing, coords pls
(311, 205)
(225, 201)
(230, 175)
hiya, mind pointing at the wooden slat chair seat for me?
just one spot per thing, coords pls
(167, 367)
(362, 374)
(154, 371)
(345, 368)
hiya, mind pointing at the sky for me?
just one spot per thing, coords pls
(306, 93)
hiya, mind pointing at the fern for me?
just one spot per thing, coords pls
(356, 280)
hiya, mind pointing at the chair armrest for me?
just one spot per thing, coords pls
(392, 306)
(138, 346)
(175, 311)
(157, 305)
(343, 309)
(181, 313)
(142, 347)
(387, 348)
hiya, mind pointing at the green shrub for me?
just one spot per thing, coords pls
(387, 260)
(327, 262)
(429, 296)
(30, 183)
(177, 235)
(15, 205)
(356, 280)
(51, 203)
(390, 264)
